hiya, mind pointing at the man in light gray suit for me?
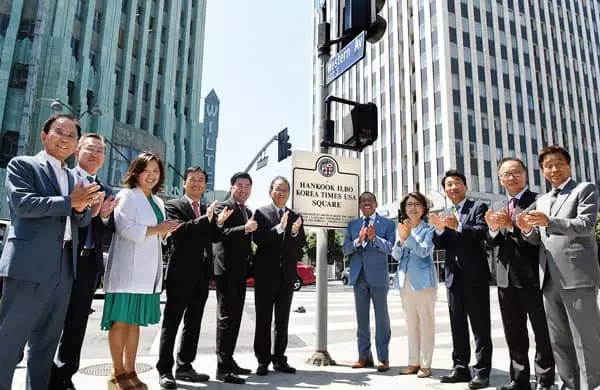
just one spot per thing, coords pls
(563, 221)
(47, 206)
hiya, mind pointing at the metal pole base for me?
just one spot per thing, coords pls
(321, 358)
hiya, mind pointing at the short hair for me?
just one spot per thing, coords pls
(195, 168)
(138, 165)
(454, 173)
(422, 200)
(283, 179)
(552, 150)
(518, 160)
(53, 118)
(367, 193)
(90, 135)
(240, 175)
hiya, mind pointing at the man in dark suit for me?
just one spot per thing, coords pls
(562, 222)
(47, 207)
(462, 233)
(90, 264)
(279, 240)
(232, 250)
(188, 274)
(519, 292)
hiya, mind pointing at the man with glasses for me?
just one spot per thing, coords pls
(517, 279)
(90, 263)
(562, 223)
(48, 204)
(279, 240)
(368, 242)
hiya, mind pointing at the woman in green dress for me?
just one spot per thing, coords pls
(133, 274)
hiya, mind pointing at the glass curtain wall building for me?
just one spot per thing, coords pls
(137, 62)
(464, 83)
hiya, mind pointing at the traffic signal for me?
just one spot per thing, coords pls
(284, 148)
(362, 15)
(359, 126)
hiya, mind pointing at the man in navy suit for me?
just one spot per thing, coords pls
(90, 263)
(48, 205)
(368, 242)
(462, 233)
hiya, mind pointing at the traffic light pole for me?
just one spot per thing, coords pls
(321, 357)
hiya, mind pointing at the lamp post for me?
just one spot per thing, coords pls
(57, 105)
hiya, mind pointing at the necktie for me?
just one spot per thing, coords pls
(555, 193)
(196, 209)
(512, 204)
(280, 213)
(89, 238)
(244, 213)
(366, 222)
(455, 211)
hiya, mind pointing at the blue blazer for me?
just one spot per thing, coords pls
(415, 259)
(373, 257)
(38, 214)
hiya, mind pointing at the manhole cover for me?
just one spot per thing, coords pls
(105, 369)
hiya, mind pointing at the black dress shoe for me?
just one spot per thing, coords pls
(456, 376)
(231, 378)
(262, 370)
(190, 375)
(479, 382)
(61, 384)
(237, 370)
(513, 385)
(541, 386)
(166, 381)
(284, 367)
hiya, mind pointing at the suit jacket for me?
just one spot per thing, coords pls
(38, 214)
(134, 260)
(466, 257)
(415, 259)
(276, 253)
(568, 246)
(101, 232)
(232, 246)
(373, 257)
(190, 254)
(517, 261)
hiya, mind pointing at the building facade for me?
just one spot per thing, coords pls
(463, 83)
(211, 132)
(137, 63)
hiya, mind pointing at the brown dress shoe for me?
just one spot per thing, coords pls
(363, 363)
(409, 370)
(424, 373)
(383, 366)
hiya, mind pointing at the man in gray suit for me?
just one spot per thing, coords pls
(47, 205)
(563, 221)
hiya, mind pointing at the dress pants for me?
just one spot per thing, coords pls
(269, 294)
(470, 303)
(419, 312)
(66, 361)
(574, 328)
(231, 293)
(187, 303)
(516, 304)
(34, 314)
(364, 293)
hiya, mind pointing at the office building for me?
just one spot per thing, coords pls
(211, 132)
(462, 84)
(137, 63)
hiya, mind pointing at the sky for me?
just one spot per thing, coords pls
(257, 57)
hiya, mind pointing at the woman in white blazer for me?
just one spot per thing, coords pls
(133, 276)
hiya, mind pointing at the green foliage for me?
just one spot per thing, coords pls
(335, 240)
(598, 228)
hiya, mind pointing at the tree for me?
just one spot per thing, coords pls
(335, 254)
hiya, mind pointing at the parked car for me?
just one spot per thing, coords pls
(306, 277)
(345, 276)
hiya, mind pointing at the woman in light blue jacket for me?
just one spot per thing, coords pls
(416, 278)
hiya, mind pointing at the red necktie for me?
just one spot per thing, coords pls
(196, 209)
(512, 205)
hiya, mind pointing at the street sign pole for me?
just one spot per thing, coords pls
(321, 357)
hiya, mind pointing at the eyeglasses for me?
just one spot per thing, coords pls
(507, 175)
(413, 204)
(366, 200)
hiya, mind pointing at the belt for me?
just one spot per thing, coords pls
(67, 245)
(85, 252)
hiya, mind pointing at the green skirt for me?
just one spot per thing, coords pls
(133, 309)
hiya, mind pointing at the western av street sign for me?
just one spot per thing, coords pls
(345, 58)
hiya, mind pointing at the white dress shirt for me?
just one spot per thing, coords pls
(63, 181)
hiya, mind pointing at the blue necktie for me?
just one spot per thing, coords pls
(89, 239)
(366, 223)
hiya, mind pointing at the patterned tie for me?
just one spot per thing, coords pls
(366, 222)
(555, 193)
(280, 213)
(196, 209)
(455, 211)
(512, 205)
